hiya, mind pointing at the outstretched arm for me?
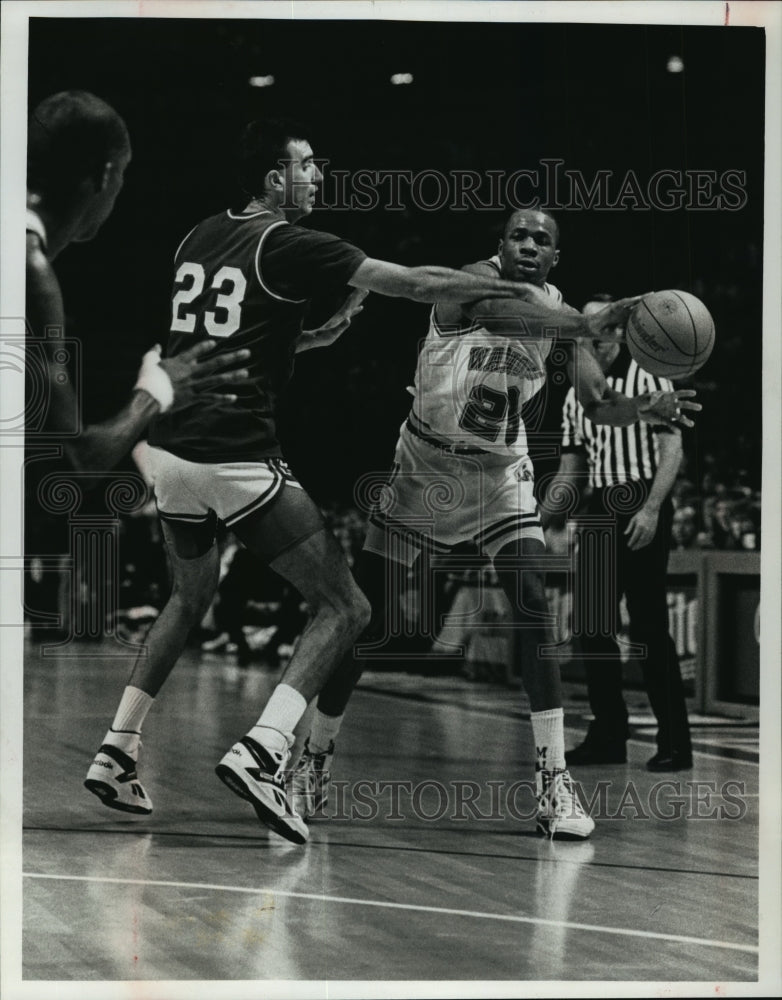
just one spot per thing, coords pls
(431, 284)
(528, 311)
(603, 405)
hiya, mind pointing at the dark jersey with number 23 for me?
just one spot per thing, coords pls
(245, 280)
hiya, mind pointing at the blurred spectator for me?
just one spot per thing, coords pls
(349, 528)
(684, 493)
(684, 529)
(720, 521)
(743, 532)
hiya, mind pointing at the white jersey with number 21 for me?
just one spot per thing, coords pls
(471, 385)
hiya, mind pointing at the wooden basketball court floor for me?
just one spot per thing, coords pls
(436, 875)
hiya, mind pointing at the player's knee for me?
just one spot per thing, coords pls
(358, 612)
(349, 609)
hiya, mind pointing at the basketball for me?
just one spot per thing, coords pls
(670, 334)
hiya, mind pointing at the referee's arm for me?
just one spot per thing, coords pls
(643, 526)
(670, 446)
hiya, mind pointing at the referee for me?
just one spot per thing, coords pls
(631, 471)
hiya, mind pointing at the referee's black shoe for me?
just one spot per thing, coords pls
(669, 761)
(593, 752)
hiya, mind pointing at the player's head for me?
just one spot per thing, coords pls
(277, 165)
(77, 151)
(529, 246)
(605, 352)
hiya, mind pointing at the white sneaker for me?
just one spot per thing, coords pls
(560, 813)
(112, 777)
(310, 780)
(257, 774)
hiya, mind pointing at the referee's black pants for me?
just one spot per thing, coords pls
(640, 576)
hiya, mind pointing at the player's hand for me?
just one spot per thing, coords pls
(642, 527)
(194, 372)
(668, 408)
(336, 326)
(608, 324)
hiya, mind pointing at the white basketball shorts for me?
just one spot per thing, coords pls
(434, 500)
(198, 492)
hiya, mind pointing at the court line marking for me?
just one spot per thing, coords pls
(440, 910)
(399, 848)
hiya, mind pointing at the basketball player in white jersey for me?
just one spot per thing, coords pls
(462, 473)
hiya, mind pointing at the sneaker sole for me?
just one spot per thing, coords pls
(232, 780)
(108, 797)
(560, 834)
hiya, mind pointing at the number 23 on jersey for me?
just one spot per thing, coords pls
(225, 319)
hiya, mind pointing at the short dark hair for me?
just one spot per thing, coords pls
(70, 137)
(543, 211)
(263, 146)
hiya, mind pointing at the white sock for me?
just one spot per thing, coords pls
(324, 731)
(278, 720)
(126, 728)
(548, 731)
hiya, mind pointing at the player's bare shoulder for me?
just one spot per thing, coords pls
(44, 298)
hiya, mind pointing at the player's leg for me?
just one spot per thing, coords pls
(195, 568)
(312, 776)
(292, 537)
(559, 811)
(526, 593)
(648, 609)
(599, 589)
(381, 573)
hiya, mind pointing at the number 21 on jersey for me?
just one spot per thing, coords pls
(226, 317)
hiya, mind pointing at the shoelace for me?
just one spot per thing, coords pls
(281, 756)
(562, 795)
(318, 760)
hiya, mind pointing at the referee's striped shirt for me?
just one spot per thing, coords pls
(616, 454)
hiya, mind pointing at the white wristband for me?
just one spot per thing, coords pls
(154, 380)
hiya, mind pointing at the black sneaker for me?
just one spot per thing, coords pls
(668, 761)
(592, 752)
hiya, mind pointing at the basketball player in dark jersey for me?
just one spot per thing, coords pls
(246, 278)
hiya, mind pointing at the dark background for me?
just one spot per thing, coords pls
(484, 97)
